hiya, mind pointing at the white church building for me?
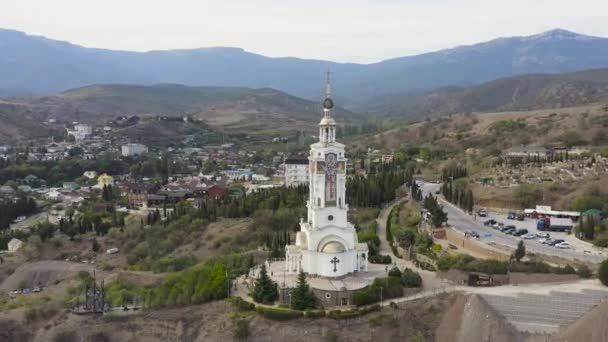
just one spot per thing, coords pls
(327, 244)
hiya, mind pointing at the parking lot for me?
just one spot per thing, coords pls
(530, 225)
(469, 223)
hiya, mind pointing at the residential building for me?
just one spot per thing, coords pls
(90, 174)
(80, 132)
(14, 245)
(137, 193)
(54, 195)
(132, 150)
(105, 179)
(528, 152)
(296, 171)
(216, 191)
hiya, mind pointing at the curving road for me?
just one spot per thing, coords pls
(464, 222)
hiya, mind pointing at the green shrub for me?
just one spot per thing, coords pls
(314, 313)
(376, 321)
(99, 336)
(540, 267)
(278, 314)
(241, 304)
(467, 263)
(419, 337)
(584, 272)
(424, 265)
(122, 292)
(365, 297)
(380, 259)
(602, 273)
(564, 270)
(394, 272)
(601, 243)
(66, 336)
(486, 266)
(199, 284)
(34, 314)
(411, 279)
(346, 314)
(330, 336)
(171, 264)
(391, 288)
(241, 329)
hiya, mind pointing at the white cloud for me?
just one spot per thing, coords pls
(355, 30)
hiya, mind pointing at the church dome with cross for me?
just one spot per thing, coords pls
(327, 243)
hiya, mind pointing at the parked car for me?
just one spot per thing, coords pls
(511, 216)
(529, 236)
(543, 235)
(521, 232)
(489, 222)
(509, 227)
(475, 235)
(482, 213)
(545, 241)
(556, 242)
(20, 219)
(520, 217)
(563, 245)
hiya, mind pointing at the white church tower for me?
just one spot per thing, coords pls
(327, 243)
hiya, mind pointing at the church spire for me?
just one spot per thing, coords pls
(327, 132)
(328, 85)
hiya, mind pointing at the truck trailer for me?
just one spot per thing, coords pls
(554, 224)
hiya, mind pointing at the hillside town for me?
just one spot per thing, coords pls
(361, 171)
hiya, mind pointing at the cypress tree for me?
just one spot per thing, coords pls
(520, 252)
(302, 297)
(264, 290)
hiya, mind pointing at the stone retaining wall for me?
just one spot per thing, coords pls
(516, 278)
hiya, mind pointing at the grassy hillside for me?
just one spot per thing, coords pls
(520, 93)
(489, 132)
(19, 127)
(235, 108)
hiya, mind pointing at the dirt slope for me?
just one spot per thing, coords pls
(214, 322)
(44, 273)
(471, 319)
(591, 327)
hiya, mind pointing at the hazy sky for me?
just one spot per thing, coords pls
(340, 30)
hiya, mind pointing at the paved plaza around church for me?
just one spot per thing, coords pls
(353, 281)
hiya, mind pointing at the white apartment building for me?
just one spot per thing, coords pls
(296, 171)
(130, 150)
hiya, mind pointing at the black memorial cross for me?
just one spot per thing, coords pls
(335, 261)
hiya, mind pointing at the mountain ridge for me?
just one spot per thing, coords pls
(68, 66)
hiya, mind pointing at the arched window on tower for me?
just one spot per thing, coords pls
(318, 201)
(340, 202)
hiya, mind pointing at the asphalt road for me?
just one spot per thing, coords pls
(464, 222)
